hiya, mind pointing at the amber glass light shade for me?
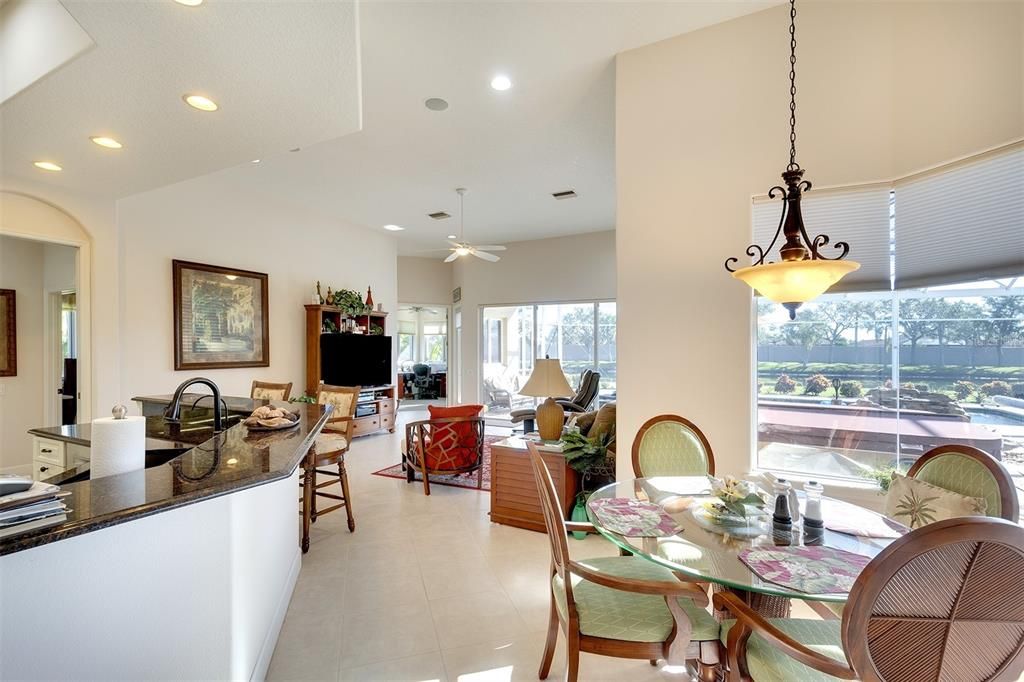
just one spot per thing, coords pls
(795, 281)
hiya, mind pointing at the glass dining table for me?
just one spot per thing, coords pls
(705, 553)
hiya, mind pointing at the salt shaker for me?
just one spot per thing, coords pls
(812, 512)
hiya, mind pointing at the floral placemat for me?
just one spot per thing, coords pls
(813, 570)
(633, 518)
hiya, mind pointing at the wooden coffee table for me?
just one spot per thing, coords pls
(514, 497)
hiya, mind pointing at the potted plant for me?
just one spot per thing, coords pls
(590, 458)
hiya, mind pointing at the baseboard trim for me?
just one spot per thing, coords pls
(259, 672)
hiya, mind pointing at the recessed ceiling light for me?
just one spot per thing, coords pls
(256, 160)
(436, 104)
(453, 236)
(189, 3)
(199, 102)
(501, 83)
(108, 142)
(47, 166)
(394, 228)
(295, 149)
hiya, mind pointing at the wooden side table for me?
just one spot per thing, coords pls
(514, 497)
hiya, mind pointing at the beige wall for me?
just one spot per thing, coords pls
(884, 88)
(424, 280)
(208, 221)
(576, 268)
(21, 400)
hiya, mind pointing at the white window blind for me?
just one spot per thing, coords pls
(406, 327)
(858, 216)
(962, 222)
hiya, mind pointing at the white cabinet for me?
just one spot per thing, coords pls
(48, 457)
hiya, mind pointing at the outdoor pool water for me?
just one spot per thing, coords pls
(985, 415)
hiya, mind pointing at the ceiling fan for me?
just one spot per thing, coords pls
(419, 309)
(464, 248)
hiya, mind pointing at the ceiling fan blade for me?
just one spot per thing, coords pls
(455, 244)
(485, 256)
(452, 256)
(491, 247)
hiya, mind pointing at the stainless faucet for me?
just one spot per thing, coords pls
(173, 411)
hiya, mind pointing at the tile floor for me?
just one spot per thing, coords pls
(427, 588)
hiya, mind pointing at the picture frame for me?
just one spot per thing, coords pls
(221, 317)
(8, 333)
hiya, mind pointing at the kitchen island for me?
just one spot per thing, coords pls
(183, 569)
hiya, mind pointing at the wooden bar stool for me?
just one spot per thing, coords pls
(329, 451)
(266, 390)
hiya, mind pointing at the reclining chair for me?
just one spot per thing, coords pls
(586, 392)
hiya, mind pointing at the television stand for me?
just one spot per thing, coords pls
(375, 411)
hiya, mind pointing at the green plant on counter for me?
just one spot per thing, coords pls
(376, 330)
(308, 399)
(330, 327)
(582, 453)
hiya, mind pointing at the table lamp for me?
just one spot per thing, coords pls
(548, 381)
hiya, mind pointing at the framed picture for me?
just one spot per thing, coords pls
(8, 334)
(220, 317)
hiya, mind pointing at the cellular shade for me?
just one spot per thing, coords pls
(858, 216)
(962, 222)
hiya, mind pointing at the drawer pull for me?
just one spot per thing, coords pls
(41, 469)
(46, 450)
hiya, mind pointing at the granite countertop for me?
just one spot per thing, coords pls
(219, 464)
(233, 403)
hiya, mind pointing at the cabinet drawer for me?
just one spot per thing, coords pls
(43, 470)
(387, 406)
(386, 421)
(365, 425)
(49, 451)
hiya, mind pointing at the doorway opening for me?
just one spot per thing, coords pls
(423, 354)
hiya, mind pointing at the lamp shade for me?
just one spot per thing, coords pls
(795, 281)
(547, 380)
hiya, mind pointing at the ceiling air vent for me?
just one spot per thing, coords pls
(567, 194)
(440, 215)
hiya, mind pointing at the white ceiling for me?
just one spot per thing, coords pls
(554, 130)
(284, 74)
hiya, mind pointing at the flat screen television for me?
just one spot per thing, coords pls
(355, 360)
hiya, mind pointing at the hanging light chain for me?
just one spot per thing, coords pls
(793, 165)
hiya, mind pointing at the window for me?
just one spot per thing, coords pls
(864, 382)
(580, 335)
(435, 343)
(406, 346)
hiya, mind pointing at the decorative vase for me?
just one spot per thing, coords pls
(579, 513)
(369, 299)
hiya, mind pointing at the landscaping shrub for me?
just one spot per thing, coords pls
(851, 389)
(923, 388)
(816, 384)
(963, 389)
(784, 384)
(1018, 391)
(997, 387)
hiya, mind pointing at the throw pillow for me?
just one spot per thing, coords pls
(585, 421)
(604, 422)
(915, 503)
(452, 446)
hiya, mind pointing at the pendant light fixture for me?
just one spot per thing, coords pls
(804, 273)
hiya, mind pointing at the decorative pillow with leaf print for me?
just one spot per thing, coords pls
(915, 503)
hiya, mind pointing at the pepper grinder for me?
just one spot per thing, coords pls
(781, 518)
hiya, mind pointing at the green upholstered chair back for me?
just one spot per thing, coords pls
(969, 471)
(670, 445)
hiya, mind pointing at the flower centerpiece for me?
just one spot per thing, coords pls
(734, 497)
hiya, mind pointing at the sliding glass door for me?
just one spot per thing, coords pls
(581, 335)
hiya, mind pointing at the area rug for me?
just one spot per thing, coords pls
(454, 480)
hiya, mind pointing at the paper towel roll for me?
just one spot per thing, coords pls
(117, 446)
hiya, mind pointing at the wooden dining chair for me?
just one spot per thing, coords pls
(445, 446)
(943, 602)
(626, 607)
(670, 445)
(329, 450)
(268, 390)
(969, 471)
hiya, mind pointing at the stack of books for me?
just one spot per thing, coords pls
(38, 507)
